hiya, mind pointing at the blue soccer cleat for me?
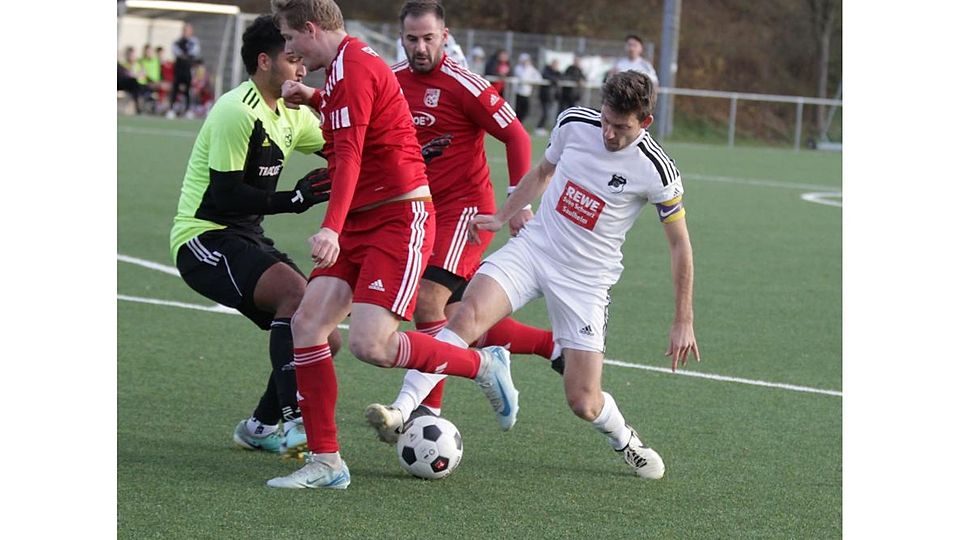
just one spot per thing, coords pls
(496, 383)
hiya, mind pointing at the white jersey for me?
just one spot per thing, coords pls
(596, 195)
(640, 64)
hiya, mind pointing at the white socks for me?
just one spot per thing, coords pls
(611, 423)
(417, 385)
(259, 429)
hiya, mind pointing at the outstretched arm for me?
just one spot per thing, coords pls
(531, 186)
(682, 338)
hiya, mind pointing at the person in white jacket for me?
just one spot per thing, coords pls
(528, 76)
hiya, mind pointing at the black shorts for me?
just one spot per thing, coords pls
(225, 267)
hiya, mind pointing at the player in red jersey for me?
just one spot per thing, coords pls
(374, 241)
(447, 99)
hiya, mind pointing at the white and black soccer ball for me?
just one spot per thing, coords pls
(430, 447)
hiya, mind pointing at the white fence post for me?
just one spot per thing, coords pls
(732, 125)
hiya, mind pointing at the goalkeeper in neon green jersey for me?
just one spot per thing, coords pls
(217, 240)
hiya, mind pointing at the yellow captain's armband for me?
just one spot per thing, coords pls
(670, 211)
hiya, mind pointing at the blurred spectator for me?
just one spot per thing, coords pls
(150, 69)
(549, 93)
(166, 76)
(570, 95)
(478, 59)
(498, 66)
(150, 65)
(128, 73)
(202, 89)
(634, 60)
(186, 50)
(528, 76)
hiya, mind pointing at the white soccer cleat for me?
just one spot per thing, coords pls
(646, 462)
(315, 474)
(496, 383)
(387, 421)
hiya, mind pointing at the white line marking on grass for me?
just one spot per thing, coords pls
(157, 302)
(754, 182)
(149, 264)
(731, 180)
(824, 197)
(170, 303)
(223, 309)
(218, 308)
(155, 131)
(713, 377)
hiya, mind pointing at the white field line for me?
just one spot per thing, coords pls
(223, 309)
(498, 159)
(828, 198)
(156, 131)
(725, 378)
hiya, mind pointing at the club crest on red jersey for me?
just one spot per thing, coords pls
(432, 97)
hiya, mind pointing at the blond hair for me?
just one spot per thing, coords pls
(323, 13)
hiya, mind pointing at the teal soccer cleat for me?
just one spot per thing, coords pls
(496, 383)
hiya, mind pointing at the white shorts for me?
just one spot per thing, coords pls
(577, 308)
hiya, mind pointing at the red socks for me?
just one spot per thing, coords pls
(434, 399)
(317, 389)
(518, 338)
(424, 353)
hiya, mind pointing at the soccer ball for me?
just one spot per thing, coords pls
(430, 447)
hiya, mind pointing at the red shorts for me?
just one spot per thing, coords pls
(383, 253)
(451, 250)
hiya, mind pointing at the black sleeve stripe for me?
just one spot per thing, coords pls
(580, 111)
(671, 166)
(664, 165)
(251, 99)
(576, 118)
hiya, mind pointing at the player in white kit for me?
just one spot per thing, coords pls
(598, 172)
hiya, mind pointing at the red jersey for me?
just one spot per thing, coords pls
(452, 99)
(373, 153)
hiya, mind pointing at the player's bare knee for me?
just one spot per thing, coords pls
(335, 341)
(465, 321)
(584, 405)
(369, 350)
(305, 322)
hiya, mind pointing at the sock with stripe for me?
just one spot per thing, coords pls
(434, 400)
(431, 355)
(519, 338)
(611, 423)
(421, 387)
(317, 385)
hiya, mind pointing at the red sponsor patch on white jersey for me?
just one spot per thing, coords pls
(580, 206)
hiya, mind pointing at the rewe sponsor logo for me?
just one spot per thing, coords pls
(423, 119)
(580, 206)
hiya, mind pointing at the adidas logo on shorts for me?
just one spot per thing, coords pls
(377, 286)
(587, 331)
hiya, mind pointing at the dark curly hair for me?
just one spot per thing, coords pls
(630, 92)
(260, 37)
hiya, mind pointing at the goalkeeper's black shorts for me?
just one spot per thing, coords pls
(225, 267)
